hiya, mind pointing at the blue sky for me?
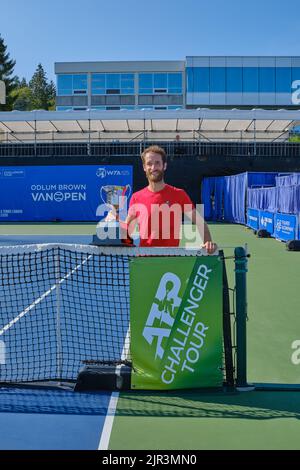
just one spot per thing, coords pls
(55, 31)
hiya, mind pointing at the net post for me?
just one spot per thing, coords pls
(240, 260)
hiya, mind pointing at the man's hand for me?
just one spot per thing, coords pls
(210, 247)
(112, 215)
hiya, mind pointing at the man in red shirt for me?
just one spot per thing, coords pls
(158, 208)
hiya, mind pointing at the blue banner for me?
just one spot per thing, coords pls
(266, 221)
(253, 218)
(285, 226)
(65, 193)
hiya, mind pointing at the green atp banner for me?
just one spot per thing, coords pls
(176, 310)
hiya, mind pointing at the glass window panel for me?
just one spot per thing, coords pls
(98, 108)
(80, 82)
(217, 79)
(160, 80)
(283, 80)
(127, 107)
(127, 91)
(98, 91)
(98, 84)
(250, 79)
(63, 108)
(127, 76)
(174, 107)
(98, 80)
(146, 91)
(234, 79)
(127, 84)
(177, 91)
(267, 79)
(64, 85)
(175, 81)
(113, 80)
(146, 80)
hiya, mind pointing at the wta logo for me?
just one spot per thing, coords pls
(163, 312)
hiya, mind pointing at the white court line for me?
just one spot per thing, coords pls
(39, 300)
(111, 410)
(108, 423)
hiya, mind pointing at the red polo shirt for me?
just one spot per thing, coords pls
(159, 215)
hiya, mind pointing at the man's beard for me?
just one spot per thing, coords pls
(159, 176)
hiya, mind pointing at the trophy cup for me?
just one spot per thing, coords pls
(114, 197)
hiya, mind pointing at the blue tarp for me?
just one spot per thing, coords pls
(288, 180)
(288, 199)
(226, 196)
(263, 199)
(213, 198)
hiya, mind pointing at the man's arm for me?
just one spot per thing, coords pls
(204, 232)
(127, 228)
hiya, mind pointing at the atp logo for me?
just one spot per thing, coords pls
(101, 173)
(163, 312)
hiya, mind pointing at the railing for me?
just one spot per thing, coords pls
(173, 149)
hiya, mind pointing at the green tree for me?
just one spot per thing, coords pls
(43, 93)
(23, 98)
(6, 74)
(22, 83)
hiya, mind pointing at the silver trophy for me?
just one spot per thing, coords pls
(114, 197)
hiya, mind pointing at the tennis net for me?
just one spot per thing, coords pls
(62, 305)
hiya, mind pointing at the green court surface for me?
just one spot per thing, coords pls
(196, 419)
(193, 420)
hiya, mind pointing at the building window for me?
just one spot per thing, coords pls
(113, 84)
(63, 108)
(160, 83)
(150, 108)
(71, 85)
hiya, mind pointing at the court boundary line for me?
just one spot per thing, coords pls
(109, 420)
(112, 407)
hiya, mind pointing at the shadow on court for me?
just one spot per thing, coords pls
(254, 405)
(18, 400)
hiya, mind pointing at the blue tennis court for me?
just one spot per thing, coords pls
(32, 419)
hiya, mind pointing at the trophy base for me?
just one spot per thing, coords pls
(112, 232)
(107, 242)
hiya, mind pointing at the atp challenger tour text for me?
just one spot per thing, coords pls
(150, 459)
